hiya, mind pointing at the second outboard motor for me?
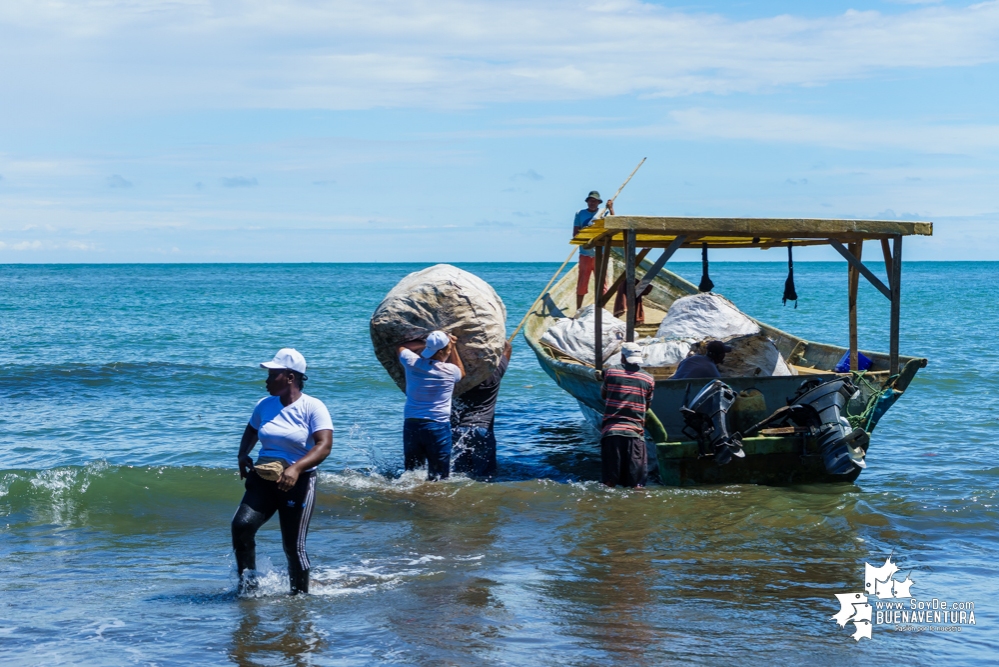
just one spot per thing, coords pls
(706, 418)
(823, 404)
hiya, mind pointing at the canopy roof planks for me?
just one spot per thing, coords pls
(659, 232)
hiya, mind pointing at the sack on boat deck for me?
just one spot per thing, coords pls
(659, 353)
(751, 356)
(447, 298)
(575, 336)
(707, 315)
(696, 319)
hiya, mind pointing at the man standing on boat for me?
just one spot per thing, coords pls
(430, 379)
(584, 218)
(472, 419)
(627, 394)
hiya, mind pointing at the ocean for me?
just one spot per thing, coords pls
(125, 388)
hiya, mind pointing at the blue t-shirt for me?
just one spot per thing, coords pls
(429, 385)
(584, 218)
(285, 431)
(695, 366)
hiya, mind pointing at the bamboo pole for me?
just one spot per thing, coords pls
(543, 292)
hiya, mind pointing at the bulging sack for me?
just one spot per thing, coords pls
(575, 337)
(703, 316)
(447, 298)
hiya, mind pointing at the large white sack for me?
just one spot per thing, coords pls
(659, 353)
(705, 315)
(447, 298)
(575, 336)
(754, 355)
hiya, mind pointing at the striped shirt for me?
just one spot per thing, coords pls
(627, 395)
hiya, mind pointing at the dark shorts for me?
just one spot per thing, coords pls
(624, 460)
(425, 441)
(474, 450)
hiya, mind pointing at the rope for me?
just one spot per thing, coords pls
(865, 417)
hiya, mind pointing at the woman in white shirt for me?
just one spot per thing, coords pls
(296, 435)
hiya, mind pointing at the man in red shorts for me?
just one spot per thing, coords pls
(584, 218)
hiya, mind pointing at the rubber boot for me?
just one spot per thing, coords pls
(299, 581)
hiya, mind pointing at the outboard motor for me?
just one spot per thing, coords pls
(706, 418)
(821, 405)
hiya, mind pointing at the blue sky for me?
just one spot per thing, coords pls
(192, 130)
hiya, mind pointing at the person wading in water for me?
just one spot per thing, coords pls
(472, 420)
(430, 379)
(296, 435)
(627, 394)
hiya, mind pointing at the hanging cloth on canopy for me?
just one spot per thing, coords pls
(706, 284)
(789, 293)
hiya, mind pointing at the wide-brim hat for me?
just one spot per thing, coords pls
(595, 195)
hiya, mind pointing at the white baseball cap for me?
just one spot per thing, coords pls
(632, 353)
(289, 358)
(436, 341)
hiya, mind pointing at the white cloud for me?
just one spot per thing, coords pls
(359, 54)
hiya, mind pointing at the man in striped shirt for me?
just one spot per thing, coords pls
(627, 394)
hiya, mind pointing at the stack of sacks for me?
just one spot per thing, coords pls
(700, 318)
(575, 336)
(447, 298)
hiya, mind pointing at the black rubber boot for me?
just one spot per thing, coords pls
(299, 581)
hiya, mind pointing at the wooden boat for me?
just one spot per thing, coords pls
(773, 456)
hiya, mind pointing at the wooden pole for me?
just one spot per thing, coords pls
(599, 262)
(612, 290)
(543, 292)
(629, 282)
(603, 209)
(886, 251)
(896, 303)
(856, 249)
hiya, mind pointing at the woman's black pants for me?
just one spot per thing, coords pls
(294, 508)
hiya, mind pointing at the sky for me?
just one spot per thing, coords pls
(471, 130)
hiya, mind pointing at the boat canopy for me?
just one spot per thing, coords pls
(656, 231)
(847, 237)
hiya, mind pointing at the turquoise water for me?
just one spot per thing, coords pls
(125, 390)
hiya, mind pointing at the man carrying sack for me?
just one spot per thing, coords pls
(430, 379)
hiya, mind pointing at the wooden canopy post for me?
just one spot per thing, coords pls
(886, 251)
(599, 262)
(629, 282)
(896, 303)
(856, 249)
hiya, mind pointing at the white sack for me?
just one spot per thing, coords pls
(659, 353)
(442, 297)
(705, 315)
(753, 356)
(575, 336)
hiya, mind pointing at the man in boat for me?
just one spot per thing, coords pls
(432, 369)
(702, 365)
(627, 394)
(584, 218)
(472, 419)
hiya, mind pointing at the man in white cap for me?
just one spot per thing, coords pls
(584, 218)
(627, 394)
(430, 379)
(296, 434)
